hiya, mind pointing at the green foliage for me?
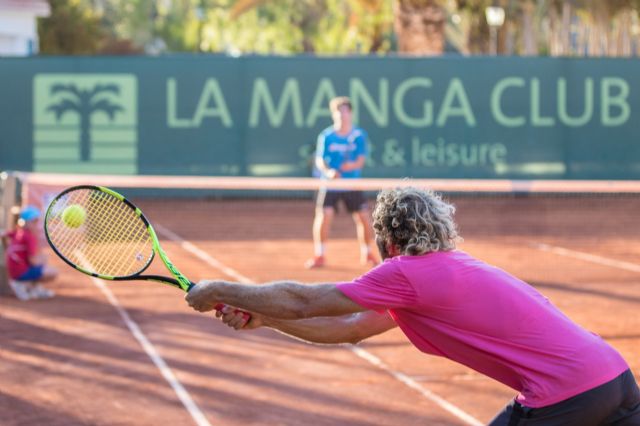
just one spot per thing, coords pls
(135, 20)
(325, 27)
(355, 27)
(178, 27)
(72, 29)
(268, 29)
(318, 26)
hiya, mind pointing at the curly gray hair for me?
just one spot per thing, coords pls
(417, 221)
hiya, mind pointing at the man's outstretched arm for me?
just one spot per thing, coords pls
(351, 328)
(283, 300)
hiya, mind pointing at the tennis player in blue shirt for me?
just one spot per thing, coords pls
(340, 154)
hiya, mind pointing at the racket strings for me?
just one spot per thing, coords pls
(135, 233)
(116, 226)
(112, 241)
(77, 245)
(57, 229)
(119, 241)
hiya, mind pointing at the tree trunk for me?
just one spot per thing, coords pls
(554, 33)
(528, 32)
(377, 39)
(625, 33)
(565, 42)
(509, 38)
(419, 27)
(601, 13)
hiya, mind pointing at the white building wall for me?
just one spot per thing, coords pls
(18, 33)
(13, 46)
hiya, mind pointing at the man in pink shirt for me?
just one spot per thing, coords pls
(452, 305)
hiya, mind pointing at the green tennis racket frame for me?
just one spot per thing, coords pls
(178, 280)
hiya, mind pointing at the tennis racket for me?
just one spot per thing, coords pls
(108, 238)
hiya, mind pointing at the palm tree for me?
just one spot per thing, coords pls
(419, 26)
(532, 27)
(84, 102)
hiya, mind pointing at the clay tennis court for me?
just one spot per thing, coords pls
(135, 354)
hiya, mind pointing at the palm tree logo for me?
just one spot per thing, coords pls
(85, 123)
(84, 102)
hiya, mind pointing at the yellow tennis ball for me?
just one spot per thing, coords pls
(74, 216)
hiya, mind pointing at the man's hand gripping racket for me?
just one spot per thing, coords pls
(100, 233)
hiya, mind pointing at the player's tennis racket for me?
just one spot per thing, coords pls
(100, 233)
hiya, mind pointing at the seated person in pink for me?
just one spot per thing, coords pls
(452, 305)
(25, 262)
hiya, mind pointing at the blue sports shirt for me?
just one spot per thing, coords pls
(335, 149)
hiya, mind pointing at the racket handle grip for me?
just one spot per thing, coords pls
(245, 315)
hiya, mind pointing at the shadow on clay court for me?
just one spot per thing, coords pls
(620, 336)
(72, 350)
(75, 349)
(102, 313)
(25, 412)
(110, 372)
(586, 291)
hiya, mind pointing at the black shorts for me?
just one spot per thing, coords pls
(614, 403)
(353, 200)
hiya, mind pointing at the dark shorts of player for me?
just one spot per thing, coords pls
(354, 201)
(614, 403)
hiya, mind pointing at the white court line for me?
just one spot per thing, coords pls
(443, 403)
(151, 351)
(403, 378)
(633, 267)
(203, 255)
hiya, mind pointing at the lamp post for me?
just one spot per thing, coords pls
(200, 14)
(495, 19)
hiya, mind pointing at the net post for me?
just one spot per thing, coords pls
(8, 215)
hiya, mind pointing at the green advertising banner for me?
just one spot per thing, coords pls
(457, 117)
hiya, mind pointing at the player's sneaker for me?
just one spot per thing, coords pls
(314, 262)
(38, 291)
(20, 289)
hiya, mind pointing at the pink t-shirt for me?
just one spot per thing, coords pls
(453, 305)
(22, 245)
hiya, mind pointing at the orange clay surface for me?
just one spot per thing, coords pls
(72, 360)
